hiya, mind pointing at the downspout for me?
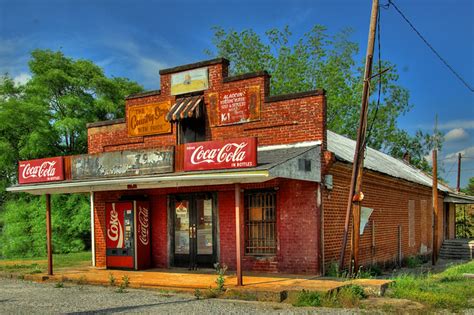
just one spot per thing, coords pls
(322, 267)
(92, 228)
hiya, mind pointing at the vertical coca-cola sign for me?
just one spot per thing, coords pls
(41, 170)
(143, 225)
(115, 224)
(235, 153)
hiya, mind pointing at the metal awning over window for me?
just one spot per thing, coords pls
(185, 107)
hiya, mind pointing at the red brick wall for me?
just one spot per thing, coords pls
(389, 197)
(297, 252)
(285, 121)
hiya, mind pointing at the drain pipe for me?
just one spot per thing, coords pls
(92, 228)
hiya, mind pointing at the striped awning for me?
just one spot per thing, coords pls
(185, 107)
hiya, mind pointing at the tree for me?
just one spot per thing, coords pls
(469, 189)
(317, 60)
(47, 116)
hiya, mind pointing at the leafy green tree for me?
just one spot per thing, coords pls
(469, 189)
(47, 116)
(319, 59)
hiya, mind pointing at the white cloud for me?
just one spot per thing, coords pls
(22, 78)
(456, 134)
(452, 124)
(147, 66)
(451, 157)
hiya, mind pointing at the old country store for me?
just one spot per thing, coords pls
(210, 168)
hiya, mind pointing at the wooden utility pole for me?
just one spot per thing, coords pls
(458, 184)
(434, 255)
(48, 235)
(355, 194)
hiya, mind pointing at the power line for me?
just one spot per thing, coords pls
(431, 47)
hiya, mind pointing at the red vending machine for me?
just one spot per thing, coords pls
(128, 235)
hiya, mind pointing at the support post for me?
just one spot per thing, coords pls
(238, 247)
(92, 229)
(355, 195)
(48, 234)
(434, 255)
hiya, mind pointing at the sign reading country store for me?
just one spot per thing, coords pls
(148, 119)
(228, 154)
(41, 170)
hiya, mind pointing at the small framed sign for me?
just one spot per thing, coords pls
(189, 81)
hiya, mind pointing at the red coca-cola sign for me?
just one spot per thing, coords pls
(211, 155)
(41, 170)
(143, 225)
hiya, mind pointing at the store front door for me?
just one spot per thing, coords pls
(193, 232)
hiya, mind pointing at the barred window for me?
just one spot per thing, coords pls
(260, 223)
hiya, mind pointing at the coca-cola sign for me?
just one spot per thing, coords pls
(235, 153)
(114, 228)
(41, 170)
(143, 225)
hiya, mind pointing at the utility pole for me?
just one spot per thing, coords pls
(434, 255)
(355, 194)
(458, 184)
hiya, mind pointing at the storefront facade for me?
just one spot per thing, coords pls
(210, 168)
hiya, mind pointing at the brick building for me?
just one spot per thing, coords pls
(280, 209)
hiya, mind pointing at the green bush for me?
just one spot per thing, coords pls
(306, 298)
(24, 225)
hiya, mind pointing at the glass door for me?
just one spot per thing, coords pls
(193, 230)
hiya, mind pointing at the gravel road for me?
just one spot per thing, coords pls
(24, 297)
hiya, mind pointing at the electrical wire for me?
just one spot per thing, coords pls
(390, 2)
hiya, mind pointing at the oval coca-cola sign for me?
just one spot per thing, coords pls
(41, 170)
(235, 153)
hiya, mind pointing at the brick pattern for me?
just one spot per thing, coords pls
(281, 122)
(390, 198)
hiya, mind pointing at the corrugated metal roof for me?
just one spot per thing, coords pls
(344, 149)
(185, 107)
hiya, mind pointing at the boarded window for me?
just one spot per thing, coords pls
(411, 222)
(424, 223)
(260, 223)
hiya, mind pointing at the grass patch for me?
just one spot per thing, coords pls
(39, 264)
(445, 290)
(347, 297)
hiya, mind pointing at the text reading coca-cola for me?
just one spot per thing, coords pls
(41, 170)
(236, 153)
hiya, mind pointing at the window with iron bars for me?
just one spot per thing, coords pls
(260, 223)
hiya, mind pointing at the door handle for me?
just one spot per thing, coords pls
(192, 231)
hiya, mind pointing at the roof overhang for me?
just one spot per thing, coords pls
(301, 161)
(458, 198)
(133, 183)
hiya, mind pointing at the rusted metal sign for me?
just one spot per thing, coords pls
(235, 106)
(235, 153)
(148, 119)
(41, 170)
(123, 163)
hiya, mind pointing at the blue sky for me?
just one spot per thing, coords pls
(135, 39)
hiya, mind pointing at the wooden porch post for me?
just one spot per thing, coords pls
(238, 253)
(48, 234)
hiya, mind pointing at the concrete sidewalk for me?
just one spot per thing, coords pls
(262, 287)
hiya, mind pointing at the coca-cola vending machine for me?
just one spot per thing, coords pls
(128, 235)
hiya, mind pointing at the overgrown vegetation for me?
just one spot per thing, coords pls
(47, 116)
(123, 285)
(39, 264)
(446, 290)
(346, 297)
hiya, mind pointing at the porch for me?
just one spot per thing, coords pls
(257, 286)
